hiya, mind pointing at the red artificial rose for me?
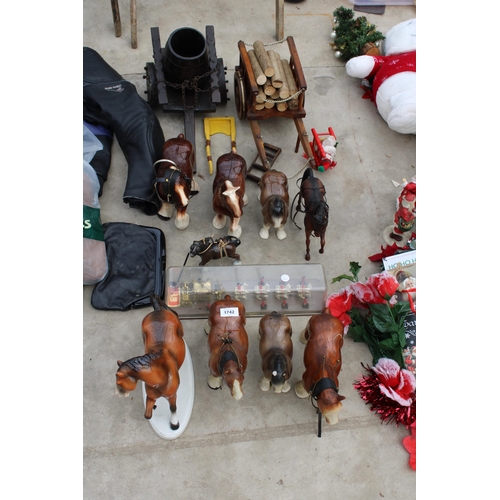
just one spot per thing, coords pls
(384, 283)
(395, 383)
(366, 294)
(340, 304)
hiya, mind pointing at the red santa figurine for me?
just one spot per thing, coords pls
(405, 216)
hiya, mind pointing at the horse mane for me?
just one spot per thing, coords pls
(139, 362)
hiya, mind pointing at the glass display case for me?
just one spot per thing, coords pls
(294, 289)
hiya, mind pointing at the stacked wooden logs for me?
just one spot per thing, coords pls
(274, 79)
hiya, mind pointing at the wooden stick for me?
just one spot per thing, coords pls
(281, 106)
(284, 90)
(259, 75)
(261, 96)
(277, 78)
(268, 87)
(263, 58)
(293, 103)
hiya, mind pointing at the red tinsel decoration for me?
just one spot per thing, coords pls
(387, 409)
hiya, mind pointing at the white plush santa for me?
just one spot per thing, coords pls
(393, 77)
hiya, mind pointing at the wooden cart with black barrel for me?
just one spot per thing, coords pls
(246, 91)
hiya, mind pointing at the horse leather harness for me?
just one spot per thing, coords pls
(170, 179)
(227, 355)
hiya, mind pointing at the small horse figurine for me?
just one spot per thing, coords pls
(163, 337)
(276, 351)
(229, 195)
(174, 183)
(227, 345)
(210, 248)
(274, 200)
(324, 338)
(312, 193)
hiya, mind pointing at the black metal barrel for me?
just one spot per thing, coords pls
(185, 55)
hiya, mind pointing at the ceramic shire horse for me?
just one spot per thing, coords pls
(313, 195)
(276, 351)
(229, 195)
(274, 200)
(163, 337)
(324, 338)
(174, 183)
(210, 248)
(227, 345)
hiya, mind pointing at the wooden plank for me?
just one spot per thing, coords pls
(162, 88)
(212, 59)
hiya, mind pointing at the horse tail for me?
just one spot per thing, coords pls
(159, 304)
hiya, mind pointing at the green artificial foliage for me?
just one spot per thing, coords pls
(353, 34)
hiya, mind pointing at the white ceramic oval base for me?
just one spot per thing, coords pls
(160, 421)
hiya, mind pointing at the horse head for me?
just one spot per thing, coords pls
(228, 189)
(232, 373)
(125, 382)
(174, 183)
(130, 371)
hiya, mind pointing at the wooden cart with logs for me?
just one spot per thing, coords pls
(254, 103)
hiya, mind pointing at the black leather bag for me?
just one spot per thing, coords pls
(136, 267)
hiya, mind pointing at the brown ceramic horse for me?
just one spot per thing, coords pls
(276, 351)
(313, 194)
(163, 337)
(210, 248)
(227, 345)
(174, 183)
(324, 338)
(274, 200)
(229, 195)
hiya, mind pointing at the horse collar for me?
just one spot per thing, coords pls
(228, 355)
(321, 385)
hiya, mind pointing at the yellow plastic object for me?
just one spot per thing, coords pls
(218, 125)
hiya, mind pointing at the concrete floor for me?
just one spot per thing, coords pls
(265, 445)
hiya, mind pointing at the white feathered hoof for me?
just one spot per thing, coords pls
(219, 221)
(182, 223)
(236, 233)
(264, 233)
(214, 382)
(300, 391)
(264, 384)
(280, 234)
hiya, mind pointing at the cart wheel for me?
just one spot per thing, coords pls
(239, 95)
(152, 85)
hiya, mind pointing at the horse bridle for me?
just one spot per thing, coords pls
(172, 174)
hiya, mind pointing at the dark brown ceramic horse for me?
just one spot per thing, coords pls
(210, 248)
(158, 368)
(276, 352)
(227, 345)
(229, 195)
(174, 183)
(274, 200)
(312, 195)
(324, 338)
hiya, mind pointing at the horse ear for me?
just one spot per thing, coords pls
(120, 363)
